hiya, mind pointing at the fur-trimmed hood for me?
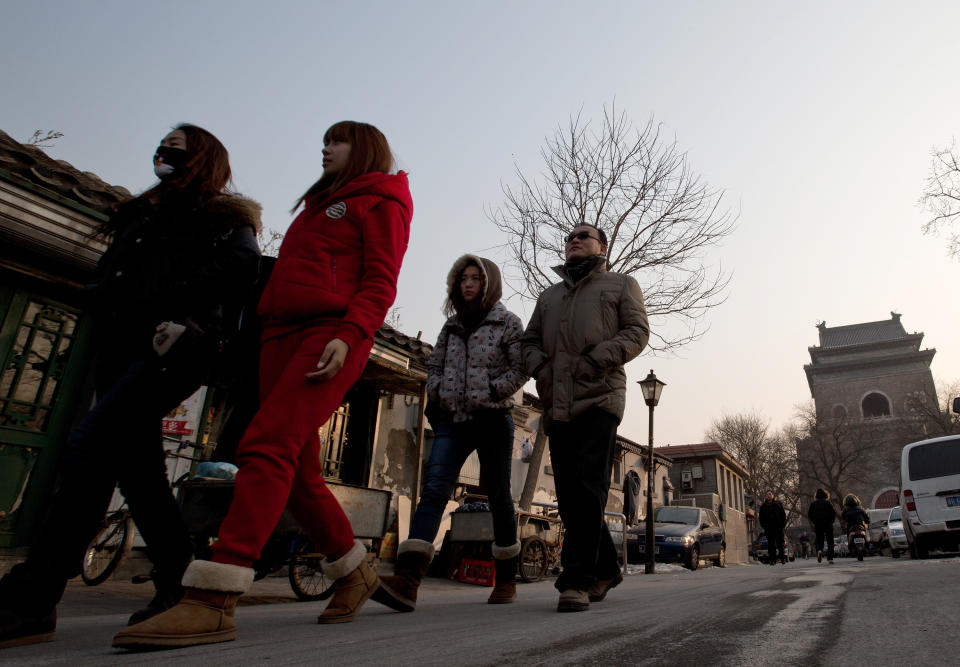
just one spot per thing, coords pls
(239, 210)
(492, 283)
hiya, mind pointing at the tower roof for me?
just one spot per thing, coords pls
(863, 333)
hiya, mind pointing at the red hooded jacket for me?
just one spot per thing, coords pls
(340, 260)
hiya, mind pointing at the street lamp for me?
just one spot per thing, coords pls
(651, 388)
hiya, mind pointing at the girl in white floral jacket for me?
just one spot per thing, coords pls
(473, 373)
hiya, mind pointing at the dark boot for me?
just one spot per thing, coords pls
(505, 559)
(203, 616)
(354, 581)
(169, 591)
(399, 591)
(28, 605)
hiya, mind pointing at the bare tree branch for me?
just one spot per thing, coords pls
(41, 139)
(660, 218)
(269, 240)
(769, 458)
(941, 196)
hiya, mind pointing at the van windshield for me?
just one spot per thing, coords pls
(894, 514)
(938, 459)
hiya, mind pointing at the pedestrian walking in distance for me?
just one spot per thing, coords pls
(582, 332)
(472, 374)
(773, 520)
(168, 290)
(333, 282)
(822, 515)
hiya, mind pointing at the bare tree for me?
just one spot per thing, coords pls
(770, 458)
(839, 454)
(269, 240)
(933, 412)
(42, 139)
(941, 196)
(660, 218)
(393, 318)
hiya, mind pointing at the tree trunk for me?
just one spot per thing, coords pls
(533, 471)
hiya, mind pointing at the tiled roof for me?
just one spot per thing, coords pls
(860, 334)
(56, 177)
(416, 347)
(702, 449)
(680, 450)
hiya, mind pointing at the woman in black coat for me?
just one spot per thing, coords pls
(182, 259)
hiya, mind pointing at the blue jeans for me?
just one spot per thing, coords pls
(490, 433)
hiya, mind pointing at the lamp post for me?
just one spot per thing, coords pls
(651, 388)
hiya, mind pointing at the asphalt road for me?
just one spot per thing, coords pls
(880, 611)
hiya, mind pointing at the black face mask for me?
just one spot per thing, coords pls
(167, 160)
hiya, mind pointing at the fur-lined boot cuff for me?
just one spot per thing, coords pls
(206, 575)
(503, 553)
(346, 564)
(416, 546)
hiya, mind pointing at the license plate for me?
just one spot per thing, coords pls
(953, 501)
(643, 548)
(858, 540)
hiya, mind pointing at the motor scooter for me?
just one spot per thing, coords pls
(857, 540)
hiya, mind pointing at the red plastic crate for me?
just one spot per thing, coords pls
(480, 572)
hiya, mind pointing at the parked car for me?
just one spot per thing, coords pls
(762, 552)
(930, 497)
(840, 548)
(681, 534)
(877, 530)
(895, 533)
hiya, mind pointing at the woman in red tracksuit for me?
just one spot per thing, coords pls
(330, 289)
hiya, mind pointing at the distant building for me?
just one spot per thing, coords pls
(867, 381)
(707, 475)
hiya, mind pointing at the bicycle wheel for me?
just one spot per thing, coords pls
(306, 577)
(108, 549)
(533, 559)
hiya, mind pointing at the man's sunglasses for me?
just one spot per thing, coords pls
(580, 236)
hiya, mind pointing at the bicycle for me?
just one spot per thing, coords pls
(109, 547)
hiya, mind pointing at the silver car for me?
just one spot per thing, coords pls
(895, 534)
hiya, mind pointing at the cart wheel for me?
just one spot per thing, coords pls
(306, 577)
(533, 559)
(108, 549)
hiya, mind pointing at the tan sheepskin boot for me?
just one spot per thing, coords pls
(203, 616)
(399, 591)
(354, 580)
(505, 560)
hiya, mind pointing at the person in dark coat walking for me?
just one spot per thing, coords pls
(167, 292)
(773, 519)
(822, 514)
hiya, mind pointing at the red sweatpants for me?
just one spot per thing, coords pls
(279, 455)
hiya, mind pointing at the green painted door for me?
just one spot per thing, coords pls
(42, 345)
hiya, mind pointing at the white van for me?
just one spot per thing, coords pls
(930, 486)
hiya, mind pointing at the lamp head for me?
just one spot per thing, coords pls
(651, 388)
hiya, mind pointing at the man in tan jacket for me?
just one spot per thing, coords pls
(582, 332)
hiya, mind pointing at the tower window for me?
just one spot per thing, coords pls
(875, 405)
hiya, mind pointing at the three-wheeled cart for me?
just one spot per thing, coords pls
(540, 537)
(204, 503)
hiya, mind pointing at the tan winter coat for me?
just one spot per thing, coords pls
(578, 340)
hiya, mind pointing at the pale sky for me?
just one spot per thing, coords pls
(817, 120)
